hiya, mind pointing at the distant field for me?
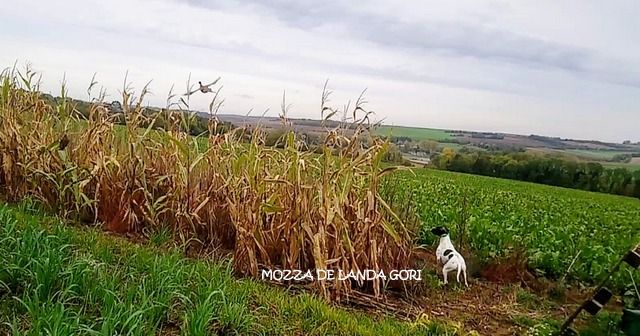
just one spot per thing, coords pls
(596, 154)
(414, 132)
(455, 146)
(599, 156)
(630, 166)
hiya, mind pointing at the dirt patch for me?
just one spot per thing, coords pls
(501, 301)
(509, 270)
(485, 307)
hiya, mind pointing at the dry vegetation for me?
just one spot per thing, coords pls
(274, 208)
(282, 206)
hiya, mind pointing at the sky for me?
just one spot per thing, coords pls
(560, 68)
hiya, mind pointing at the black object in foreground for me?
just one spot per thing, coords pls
(633, 258)
(601, 298)
(630, 323)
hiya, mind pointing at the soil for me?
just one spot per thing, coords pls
(488, 306)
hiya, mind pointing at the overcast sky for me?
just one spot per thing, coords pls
(560, 68)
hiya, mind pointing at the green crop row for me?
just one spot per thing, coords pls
(551, 225)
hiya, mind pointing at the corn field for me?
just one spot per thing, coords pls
(274, 208)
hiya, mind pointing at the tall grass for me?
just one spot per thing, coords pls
(60, 280)
(275, 208)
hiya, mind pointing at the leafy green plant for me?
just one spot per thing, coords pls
(555, 227)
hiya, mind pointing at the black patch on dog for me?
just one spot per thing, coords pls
(440, 231)
(447, 252)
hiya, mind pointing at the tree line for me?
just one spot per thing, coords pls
(554, 171)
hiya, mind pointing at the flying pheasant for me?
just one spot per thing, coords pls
(203, 88)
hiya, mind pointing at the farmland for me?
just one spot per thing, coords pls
(551, 225)
(336, 206)
(597, 154)
(631, 166)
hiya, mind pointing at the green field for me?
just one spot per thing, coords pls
(57, 279)
(603, 155)
(596, 154)
(61, 279)
(630, 166)
(550, 225)
(416, 133)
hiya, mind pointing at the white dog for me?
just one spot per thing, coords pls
(447, 255)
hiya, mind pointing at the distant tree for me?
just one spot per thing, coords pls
(482, 165)
(636, 183)
(461, 163)
(312, 139)
(393, 155)
(552, 170)
(274, 138)
(428, 146)
(115, 107)
(446, 157)
(621, 158)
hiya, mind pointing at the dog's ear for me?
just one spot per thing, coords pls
(439, 231)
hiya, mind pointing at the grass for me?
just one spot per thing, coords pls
(415, 133)
(60, 280)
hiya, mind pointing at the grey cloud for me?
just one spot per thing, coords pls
(304, 14)
(461, 39)
(458, 39)
(453, 38)
(385, 73)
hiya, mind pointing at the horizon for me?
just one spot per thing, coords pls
(382, 123)
(491, 66)
(446, 129)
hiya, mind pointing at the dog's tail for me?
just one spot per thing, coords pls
(459, 270)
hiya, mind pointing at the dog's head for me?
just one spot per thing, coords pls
(440, 231)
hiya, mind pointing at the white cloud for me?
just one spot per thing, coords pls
(567, 69)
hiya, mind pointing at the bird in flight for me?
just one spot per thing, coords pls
(203, 88)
